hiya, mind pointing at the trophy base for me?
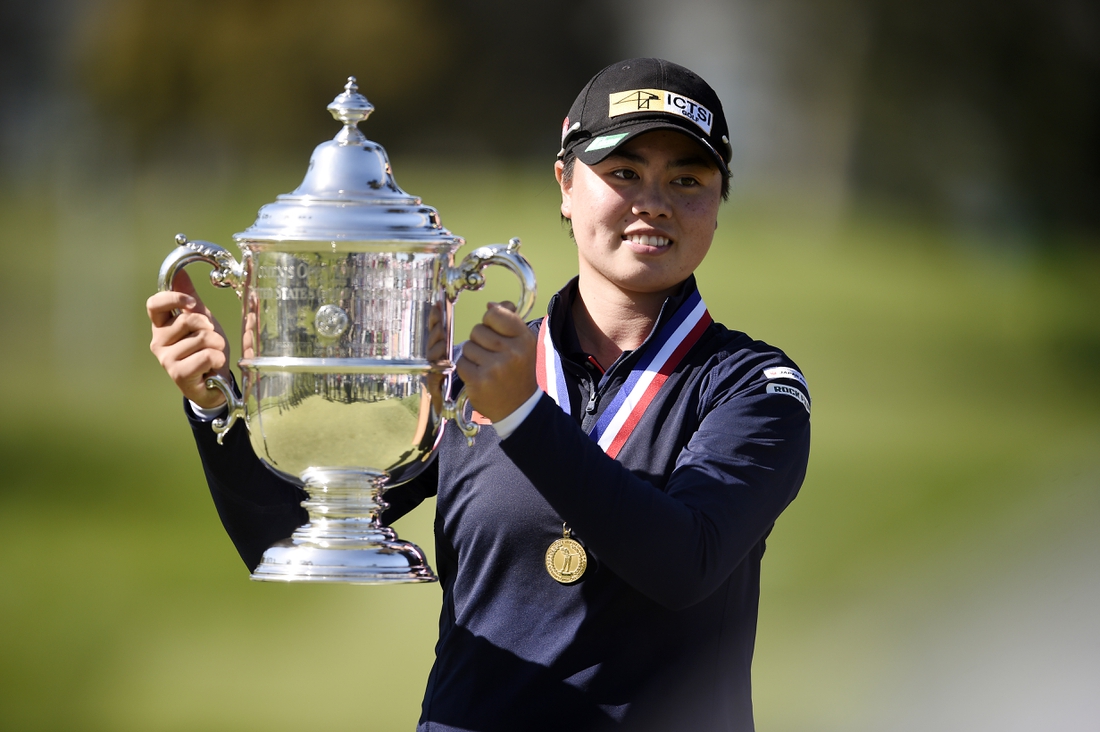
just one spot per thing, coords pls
(371, 563)
(344, 540)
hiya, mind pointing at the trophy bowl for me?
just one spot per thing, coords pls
(337, 282)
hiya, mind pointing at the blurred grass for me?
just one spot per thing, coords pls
(956, 419)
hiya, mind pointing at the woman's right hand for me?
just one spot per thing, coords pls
(191, 346)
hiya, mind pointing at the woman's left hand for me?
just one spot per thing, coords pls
(498, 362)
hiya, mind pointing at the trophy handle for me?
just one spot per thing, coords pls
(227, 272)
(456, 410)
(235, 404)
(467, 276)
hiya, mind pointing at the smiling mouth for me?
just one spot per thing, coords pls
(658, 242)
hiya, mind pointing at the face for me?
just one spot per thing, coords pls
(644, 217)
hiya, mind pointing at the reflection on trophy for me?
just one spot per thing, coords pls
(337, 281)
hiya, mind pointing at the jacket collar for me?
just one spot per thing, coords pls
(564, 333)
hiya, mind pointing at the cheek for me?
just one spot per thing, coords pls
(703, 214)
(598, 211)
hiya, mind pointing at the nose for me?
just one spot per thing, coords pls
(652, 200)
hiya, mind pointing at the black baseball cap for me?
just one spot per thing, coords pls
(638, 95)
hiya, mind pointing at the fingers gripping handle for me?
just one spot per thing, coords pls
(467, 276)
(227, 272)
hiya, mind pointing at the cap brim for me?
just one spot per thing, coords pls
(594, 150)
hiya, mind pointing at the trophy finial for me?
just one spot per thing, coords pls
(351, 108)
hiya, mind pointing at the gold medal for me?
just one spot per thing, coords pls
(565, 559)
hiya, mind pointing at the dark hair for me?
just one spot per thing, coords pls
(567, 177)
(570, 160)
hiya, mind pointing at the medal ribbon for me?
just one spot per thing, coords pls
(548, 371)
(661, 357)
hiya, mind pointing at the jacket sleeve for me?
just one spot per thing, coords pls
(258, 506)
(736, 473)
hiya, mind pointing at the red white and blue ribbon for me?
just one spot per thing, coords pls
(548, 371)
(660, 359)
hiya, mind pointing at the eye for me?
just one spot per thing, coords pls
(624, 174)
(686, 181)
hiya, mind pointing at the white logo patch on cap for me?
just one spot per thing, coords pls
(659, 100)
(782, 372)
(791, 392)
(599, 143)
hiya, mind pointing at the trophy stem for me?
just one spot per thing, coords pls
(344, 540)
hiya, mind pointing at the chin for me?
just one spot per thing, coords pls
(649, 285)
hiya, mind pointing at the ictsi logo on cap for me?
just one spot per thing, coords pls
(659, 100)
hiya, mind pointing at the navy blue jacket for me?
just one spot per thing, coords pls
(659, 632)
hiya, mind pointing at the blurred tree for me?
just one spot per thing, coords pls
(985, 111)
(253, 75)
(516, 71)
(982, 112)
(24, 58)
(29, 50)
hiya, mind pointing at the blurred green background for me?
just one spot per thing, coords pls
(913, 221)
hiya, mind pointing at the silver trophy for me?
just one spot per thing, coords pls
(337, 281)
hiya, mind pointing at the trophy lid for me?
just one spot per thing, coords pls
(349, 193)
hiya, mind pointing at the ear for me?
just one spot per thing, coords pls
(566, 190)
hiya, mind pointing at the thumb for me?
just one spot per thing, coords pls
(181, 283)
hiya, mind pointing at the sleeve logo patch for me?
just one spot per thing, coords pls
(781, 372)
(659, 100)
(791, 392)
